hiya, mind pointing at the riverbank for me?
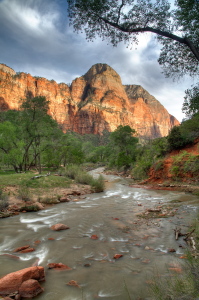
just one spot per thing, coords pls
(169, 185)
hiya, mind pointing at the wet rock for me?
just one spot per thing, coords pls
(73, 283)
(27, 250)
(11, 282)
(51, 239)
(59, 266)
(11, 256)
(94, 237)
(117, 256)
(87, 265)
(19, 249)
(171, 250)
(37, 242)
(30, 288)
(64, 199)
(39, 205)
(58, 227)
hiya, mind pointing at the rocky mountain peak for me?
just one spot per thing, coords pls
(95, 102)
(101, 70)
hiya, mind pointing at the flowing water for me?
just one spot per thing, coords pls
(113, 217)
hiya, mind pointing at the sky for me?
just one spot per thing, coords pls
(35, 38)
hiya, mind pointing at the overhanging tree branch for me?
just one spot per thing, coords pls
(127, 29)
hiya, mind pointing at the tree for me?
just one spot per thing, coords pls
(38, 129)
(26, 134)
(124, 144)
(11, 145)
(124, 20)
(191, 103)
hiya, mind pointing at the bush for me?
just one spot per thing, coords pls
(24, 193)
(80, 176)
(3, 201)
(29, 208)
(98, 184)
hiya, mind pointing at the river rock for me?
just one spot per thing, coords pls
(19, 249)
(11, 282)
(64, 199)
(58, 227)
(24, 249)
(30, 288)
(59, 266)
(39, 205)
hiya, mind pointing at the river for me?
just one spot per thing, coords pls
(114, 217)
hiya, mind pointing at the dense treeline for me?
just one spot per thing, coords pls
(30, 138)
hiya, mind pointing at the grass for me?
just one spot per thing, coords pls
(24, 180)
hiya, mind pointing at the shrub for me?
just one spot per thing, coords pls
(3, 201)
(80, 176)
(24, 193)
(48, 200)
(98, 184)
(29, 208)
(158, 165)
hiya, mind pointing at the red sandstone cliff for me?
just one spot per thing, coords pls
(94, 102)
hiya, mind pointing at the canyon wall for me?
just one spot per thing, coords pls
(94, 102)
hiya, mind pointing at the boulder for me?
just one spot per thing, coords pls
(11, 282)
(58, 227)
(64, 199)
(39, 205)
(30, 288)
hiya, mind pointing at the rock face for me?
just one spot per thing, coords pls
(94, 102)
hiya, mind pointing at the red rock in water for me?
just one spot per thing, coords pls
(73, 283)
(94, 237)
(58, 227)
(21, 248)
(64, 199)
(117, 256)
(30, 288)
(27, 250)
(37, 242)
(11, 256)
(51, 239)
(171, 250)
(59, 266)
(11, 283)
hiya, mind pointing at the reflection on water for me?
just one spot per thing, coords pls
(113, 217)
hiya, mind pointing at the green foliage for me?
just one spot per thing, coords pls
(149, 155)
(3, 200)
(184, 163)
(80, 176)
(24, 193)
(124, 144)
(29, 208)
(191, 103)
(175, 138)
(27, 134)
